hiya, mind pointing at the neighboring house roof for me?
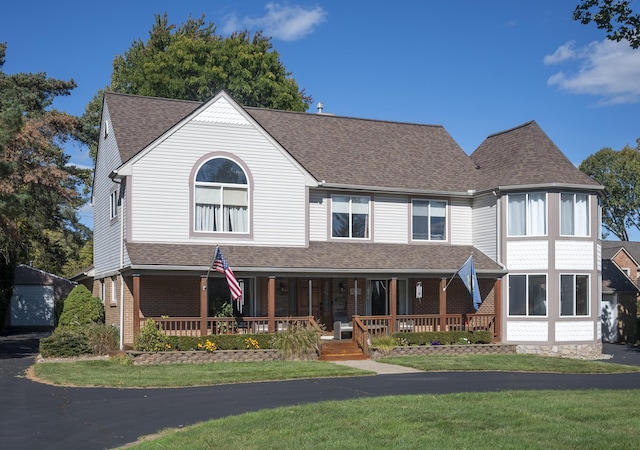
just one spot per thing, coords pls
(319, 256)
(27, 275)
(524, 156)
(614, 280)
(611, 248)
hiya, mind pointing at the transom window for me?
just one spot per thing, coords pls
(221, 197)
(574, 214)
(574, 295)
(528, 295)
(527, 215)
(429, 219)
(350, 216)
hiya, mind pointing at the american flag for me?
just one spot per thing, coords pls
(220, 265)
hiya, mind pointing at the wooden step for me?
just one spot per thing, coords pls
(346, 350)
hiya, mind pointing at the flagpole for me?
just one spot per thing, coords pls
(456, 272)
(212, 260)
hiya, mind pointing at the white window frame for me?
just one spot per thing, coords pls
(573, 225)
(350, 213)
(114, 295)
(113, 205)
(529, 228)
(429, 217)
(573, 293)
(220, 216)
(102, 290)
(527, 301)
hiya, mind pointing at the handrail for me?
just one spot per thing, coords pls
(361, 335)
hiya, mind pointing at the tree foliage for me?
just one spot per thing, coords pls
(81, 308)
(39, 191)
(614, 16)
(192, 62)
(619, 173)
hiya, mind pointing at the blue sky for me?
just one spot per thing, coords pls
(476, 68)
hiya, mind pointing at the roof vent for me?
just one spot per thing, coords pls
(320, 107)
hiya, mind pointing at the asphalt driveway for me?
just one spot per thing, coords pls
(34, 415)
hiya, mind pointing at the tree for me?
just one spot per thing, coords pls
(192, 62)
(619, 173)
(39, 191)
(614, 16)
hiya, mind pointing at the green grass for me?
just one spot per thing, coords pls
(510, 363)
(505, 420)
(112, 373)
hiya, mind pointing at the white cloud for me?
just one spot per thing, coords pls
(287, 23)
(607, 69)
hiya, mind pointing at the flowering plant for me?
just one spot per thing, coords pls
(436, 343)
(208, 346)
(251, 343)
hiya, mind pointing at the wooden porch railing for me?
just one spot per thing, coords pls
(364, 327)
(190, 326)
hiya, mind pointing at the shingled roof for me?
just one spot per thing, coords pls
(362, 152)
(319, 256)
(338, 150)
(525, 155)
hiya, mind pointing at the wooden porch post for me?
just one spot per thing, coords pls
(497, 306)
(136, 303)
(443, 305)
(271, 304)
(393, 304)
(203, 305)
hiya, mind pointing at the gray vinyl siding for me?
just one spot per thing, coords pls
(161, 183)
(106, 231)
(318, 215)
(390, 219)
(461, 221)
(485, 225)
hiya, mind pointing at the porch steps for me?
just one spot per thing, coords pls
(344, 350)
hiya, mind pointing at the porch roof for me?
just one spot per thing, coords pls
(318, 257)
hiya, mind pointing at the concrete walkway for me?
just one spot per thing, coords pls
(377, 367)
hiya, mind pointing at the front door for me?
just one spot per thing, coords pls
(309, 303)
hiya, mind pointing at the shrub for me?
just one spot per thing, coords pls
(103, 338)
(151, 338)
(80, 308)
(66, 342)
(297, 342)
(223, 341)
(445, 337)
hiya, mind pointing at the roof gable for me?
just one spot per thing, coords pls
(525, 155)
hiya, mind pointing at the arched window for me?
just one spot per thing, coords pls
(221, 197)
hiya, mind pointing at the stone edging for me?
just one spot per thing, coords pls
(471, 349)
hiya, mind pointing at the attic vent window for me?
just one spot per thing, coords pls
(106, 128)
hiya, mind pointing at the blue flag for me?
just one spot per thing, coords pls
(467, 274)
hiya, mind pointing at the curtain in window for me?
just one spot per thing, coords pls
(537, 214)
(582, 215)
(516, 226)
(359, 217)
(566, 215)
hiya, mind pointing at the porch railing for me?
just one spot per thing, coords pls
(190, 326)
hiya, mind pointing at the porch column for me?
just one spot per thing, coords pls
(203, 305)
(136, 303)
(271, 304)
(393, 304)
(443, 305)
(497, 306)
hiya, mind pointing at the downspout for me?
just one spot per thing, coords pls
(118, 179)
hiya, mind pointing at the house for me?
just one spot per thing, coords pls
(326, 218)
(620, 291)
(37, 298)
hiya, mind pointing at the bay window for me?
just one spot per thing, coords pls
(428, 220)
(350, 216)
(527, 214)
(574, 214)
(221, 197)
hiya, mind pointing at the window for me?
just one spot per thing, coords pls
(574, 295)
(429, 220)
(527, 295)
(114, 298)
(113, 205)
(102, 290)
(574, 215)
(349, 216)
(221, 197)
(527, 214)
